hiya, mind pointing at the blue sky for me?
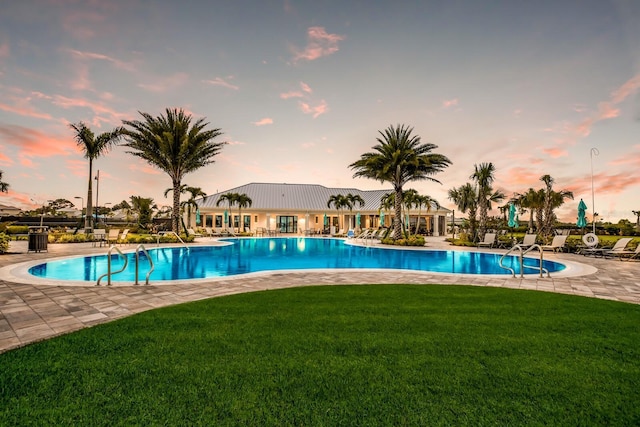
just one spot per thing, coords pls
(301, 89)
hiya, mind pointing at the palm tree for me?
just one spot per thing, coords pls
(339, 202)
(144, 207)
(352, 199)
(175, 145)
(636, 213)
(532, 200)
(421, 201)
(552, 200)
(194, 192)
(243, 201)
(409, 201)
(93, 148)
(465, 198)
(4, 187)
(399, 158)
(484, 177)
(230, 198)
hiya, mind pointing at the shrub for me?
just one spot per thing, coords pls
(4, 243)
(17, 229)
(411, 241)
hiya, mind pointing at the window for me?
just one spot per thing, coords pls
(247, 222)
(219, 221)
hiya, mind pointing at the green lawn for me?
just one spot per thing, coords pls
(340, 355)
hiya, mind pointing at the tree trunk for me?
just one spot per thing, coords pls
(175, 215)
(88, 218)
(397, 225)
(483, 217)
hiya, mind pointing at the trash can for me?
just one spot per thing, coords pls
(38, 239)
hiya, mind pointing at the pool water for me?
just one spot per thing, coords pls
(266, 254)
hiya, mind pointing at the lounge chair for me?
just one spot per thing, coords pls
(630, 255)
(529, 240)
(489, 240)
(123, 237)
(619, 247)
(114, 233)
(191, 232)
(557, 244)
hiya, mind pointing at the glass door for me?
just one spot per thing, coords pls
(287, 224)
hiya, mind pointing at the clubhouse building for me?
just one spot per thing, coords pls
(302, 209)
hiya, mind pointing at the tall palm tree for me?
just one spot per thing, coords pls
(484, 177)
(552, 200)
(4, 187)
(636, 213)
(93, 147)
(339, 202)
(175, 145)
(231, 199)
(465, 198)
(399, 158)
(352, 199)
(243, 201)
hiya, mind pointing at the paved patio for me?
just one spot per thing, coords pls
(34, 312)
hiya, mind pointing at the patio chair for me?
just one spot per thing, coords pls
(123, 237)
(619, 247)
(489, 240)
(99, 236)
(557, 244)
(191, 232)
(630, 255)
(114, 233)
(529, 240)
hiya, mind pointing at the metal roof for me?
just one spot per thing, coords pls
(295, 197)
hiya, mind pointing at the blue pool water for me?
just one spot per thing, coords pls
(265, 254)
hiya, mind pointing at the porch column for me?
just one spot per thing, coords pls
(436, 224)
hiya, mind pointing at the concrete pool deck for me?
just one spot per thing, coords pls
(34, 312)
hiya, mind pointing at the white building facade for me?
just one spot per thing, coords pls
(302, 209)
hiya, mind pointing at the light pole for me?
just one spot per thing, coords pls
(97, 189)
(593, 194)
(81, 204)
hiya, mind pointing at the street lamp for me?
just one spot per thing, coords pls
(593, 197)
(81, 205)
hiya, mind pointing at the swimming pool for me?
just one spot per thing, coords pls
(242, 256)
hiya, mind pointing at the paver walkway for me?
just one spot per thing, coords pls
(33, 312)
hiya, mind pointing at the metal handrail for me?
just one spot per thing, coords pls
(175, 234)
(139, 249)
(109, 273)
(523, 251)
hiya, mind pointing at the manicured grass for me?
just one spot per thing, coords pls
(342, 355)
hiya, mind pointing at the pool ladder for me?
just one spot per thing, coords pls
(523, 251)
(110, 273)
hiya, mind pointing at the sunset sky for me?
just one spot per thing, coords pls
(301, 89)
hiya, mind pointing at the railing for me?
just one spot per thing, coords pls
(110, 273)
(139, 249)
(175, 234)
(523, 251)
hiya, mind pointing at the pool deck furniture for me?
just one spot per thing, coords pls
(557, 244)
(618, 248)
(114, 235)
(99, 237)
(488, 242)
(630, 255)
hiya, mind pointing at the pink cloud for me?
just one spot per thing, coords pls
(316, 110)
(293, 94)
(263, 122)
(31, 143)
(555, 152)
(221, 82)
(628, 88)
(305, 87)
(99, 109)
(448, 103)
(101, 57)
(4, 50)
(144, 168)
(166, 83)
(25, 111)
(319, 44)
(5, 160)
